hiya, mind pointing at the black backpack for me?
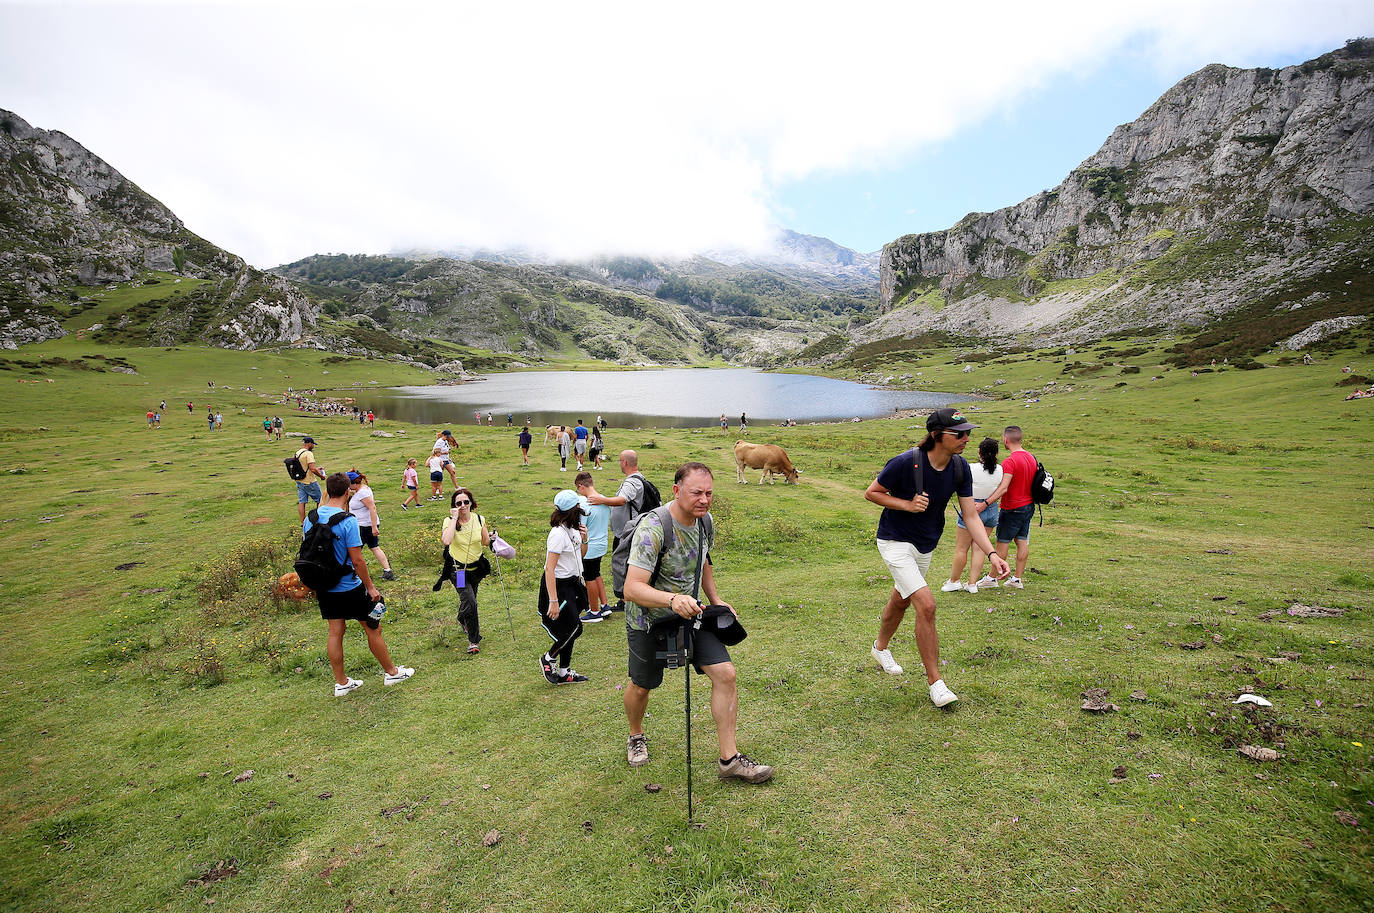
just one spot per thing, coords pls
(294, 468)
(652, 499)
(316, 564)
(1042, 485)
(918, 469)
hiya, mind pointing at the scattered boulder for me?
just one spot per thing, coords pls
(491, 837)
(1259, 753)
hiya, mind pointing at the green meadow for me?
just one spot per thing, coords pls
(148, 667)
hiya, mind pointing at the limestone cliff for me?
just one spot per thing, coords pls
(69, 220)
(1235, 187)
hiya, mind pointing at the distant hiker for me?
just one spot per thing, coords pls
(465, 535)
(190, 407)
(724, 424)
(596, 447)
(743, 424)
(446, 444)
(157, 420)
(510, 419)
(219, 421)
(630, 500)
(371, 418)
(150, 420)
(276, 426)
(1306, 358)
(525, 440)
(410, 480)
(1017, 507)
(564, 447)
(598, 525)
(363, 506)
(490, 417)
(309, 489)
(162, 407)
(987, 476)
(354, 597)
(267, 428)
(478, 414)
(600, 423)
(562, 594)
(913, 489)
(436, 474)
(580, 444)
(670, 570)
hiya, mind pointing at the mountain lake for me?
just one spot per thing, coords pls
(666, 398)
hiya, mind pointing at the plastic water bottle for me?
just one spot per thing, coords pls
(378, 609)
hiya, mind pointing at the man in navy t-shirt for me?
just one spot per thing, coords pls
(913, 489)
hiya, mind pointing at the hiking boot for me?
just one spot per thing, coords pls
(637, 750)
(571, 677)
(546, 665)
(742, 767)
(951, 586)
(940, 694)
(387, 574)
(473, 648)
(591, 616)
(884, 658)
(1016, 584)
(987, 581)
(353, 685)
(402, 673)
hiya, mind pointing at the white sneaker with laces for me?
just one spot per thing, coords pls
(884, 658)
(951, 586)
(353, 685)
(987, 581)
(402, 673)
(940, 694)
(1015, 583)
(971, 588)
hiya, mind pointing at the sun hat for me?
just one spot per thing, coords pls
(566, 499)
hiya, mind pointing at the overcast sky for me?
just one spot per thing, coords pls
(284, 129)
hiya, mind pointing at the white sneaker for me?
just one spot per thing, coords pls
(951, 586)
(986, 581)
(1015, 583)
(884, 658)
(971, 588)
(940, 694)
(353, 685)
(402, 673)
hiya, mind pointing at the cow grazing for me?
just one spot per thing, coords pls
(768, 457)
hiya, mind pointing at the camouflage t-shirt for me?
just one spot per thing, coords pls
(678, 570)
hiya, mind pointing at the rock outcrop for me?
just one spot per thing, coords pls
(1230, 188)
(68, 219)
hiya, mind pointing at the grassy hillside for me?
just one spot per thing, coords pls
(148, 666)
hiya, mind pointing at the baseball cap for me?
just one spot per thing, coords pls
(307, 440)
(445, 433)
(353, 476)
(566, 499)
(948, 420)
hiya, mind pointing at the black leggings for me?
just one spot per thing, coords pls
(565, 629)
(467, 608)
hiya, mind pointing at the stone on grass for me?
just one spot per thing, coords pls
(1259, 753)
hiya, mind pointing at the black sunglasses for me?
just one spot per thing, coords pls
(459, 503)
(959, 434)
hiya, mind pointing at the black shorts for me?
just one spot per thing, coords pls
(591, 568)
(369, 537)
(436, 477)
(350, 605)
(647, 672)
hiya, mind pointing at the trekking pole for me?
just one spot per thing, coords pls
(687, 678)
(502, 577)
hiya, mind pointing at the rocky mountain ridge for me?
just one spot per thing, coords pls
(1237, 189)
(68, 220)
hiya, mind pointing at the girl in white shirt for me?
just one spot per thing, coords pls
(562, 578)
(987, 475)
(364, 509)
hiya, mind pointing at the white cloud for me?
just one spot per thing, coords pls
(282, 131)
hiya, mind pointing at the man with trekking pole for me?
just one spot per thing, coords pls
(669, 569)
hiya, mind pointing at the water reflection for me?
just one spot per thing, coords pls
(670, 398)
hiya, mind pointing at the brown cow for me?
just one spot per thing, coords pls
(768, 457)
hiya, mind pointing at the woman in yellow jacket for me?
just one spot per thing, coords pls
(465, 536)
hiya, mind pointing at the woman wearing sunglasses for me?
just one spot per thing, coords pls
(466, 537)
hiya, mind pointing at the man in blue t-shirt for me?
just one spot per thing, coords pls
(354, 596)
(598, 535)
(580, 445)
(913, 489)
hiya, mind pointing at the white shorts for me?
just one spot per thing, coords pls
(908, 566)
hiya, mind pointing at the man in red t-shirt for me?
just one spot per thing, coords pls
(1017, 507)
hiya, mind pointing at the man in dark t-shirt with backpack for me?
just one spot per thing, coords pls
(913, 489)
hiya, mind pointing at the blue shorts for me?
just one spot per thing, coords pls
(988, 515)
(307, 491)
(1015, 523)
